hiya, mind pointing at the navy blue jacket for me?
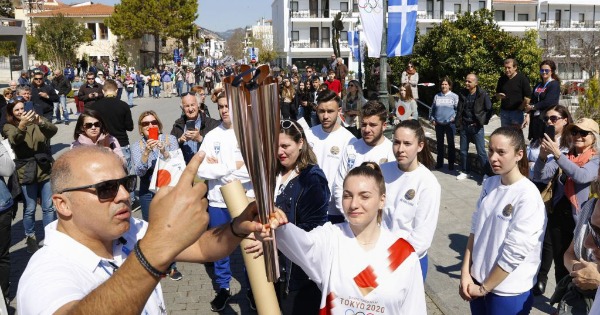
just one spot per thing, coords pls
(305, 200)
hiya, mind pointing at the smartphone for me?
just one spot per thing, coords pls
(153, 133)
(190, 125)
(550, 131)
(28, 106)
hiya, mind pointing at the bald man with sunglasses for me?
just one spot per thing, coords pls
(98, 259)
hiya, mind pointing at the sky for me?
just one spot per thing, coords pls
(221, 15)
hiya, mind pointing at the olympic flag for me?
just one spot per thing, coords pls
(371, 17)
(402, 23)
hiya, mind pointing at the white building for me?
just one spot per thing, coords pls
(302, 31)
(211, 45)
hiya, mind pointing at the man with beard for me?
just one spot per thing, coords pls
(372, 147)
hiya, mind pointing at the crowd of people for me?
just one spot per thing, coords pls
(356, 211)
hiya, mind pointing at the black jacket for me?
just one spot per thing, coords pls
(46, 104)
(482, 106)
(207, 124)
(305, 200)
(85, 90)
(117, 117)
(62, 84)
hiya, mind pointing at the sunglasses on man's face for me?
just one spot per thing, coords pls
(37, 79)
(108, 190)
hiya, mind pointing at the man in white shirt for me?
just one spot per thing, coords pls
(97, 257)
(373, 147)
(328, 140)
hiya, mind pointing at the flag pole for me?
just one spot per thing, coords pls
(383, 93)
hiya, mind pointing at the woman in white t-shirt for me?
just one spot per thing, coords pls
(504, 248)
(359, 266)
(414, 194)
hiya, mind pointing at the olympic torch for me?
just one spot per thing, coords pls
(254, 107)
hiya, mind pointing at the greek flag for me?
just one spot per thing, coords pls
(402, 23)
(354, 44)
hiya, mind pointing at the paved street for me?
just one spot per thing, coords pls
(193, 293)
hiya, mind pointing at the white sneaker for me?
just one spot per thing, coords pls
(462, 176)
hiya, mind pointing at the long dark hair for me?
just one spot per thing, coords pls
(10, 116)
(517, 140)
(424, 157)
(565, 137)
(79, 125)
(552, 66)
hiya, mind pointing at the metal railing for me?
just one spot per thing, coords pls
(316, 43)
(435, 16)
(305, 14)
(569, 24)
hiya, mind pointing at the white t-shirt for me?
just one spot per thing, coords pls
(328, 148)
(508, 228)
(412, 204)
(221, 143)
(355, 154)
(65, 270)
(595, 310)
(383, 280)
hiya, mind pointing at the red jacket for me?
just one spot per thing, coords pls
(334, 85)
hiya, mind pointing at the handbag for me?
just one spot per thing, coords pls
(547, 192)
(572, 300)
(167, 171)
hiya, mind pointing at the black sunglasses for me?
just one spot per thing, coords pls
(37, 79)
(147, 123)
(94, 124)
(593, 233)
(552, 118)
(17, 99)
(582, 133)
(107, 190)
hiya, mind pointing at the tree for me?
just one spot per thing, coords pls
(473, 43)
(234, 46)
(589, 103)
(7, 9)
(159, 18)
(58, 37)
(337, 26)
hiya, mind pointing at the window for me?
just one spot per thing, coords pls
(481, 4)
(294, 6)
(522, 17)
(581, 17)
(457, 8)
(543, 17)
(103, 30)
(314, 37)
(430, 9)
(92, 27)
(163, 42)
(295, 36)
(344, 35)
(499, 15)
(344, 6)
(355, 6)
(544, 42)
(325, 37)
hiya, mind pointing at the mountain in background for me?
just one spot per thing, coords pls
(226, 34)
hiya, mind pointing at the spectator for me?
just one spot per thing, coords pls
(301, 99)
(332, 63)
(406, 107)
(333, 83)
(7, 208)
(69, 72)
(12, 85)
(29, 135)
(190, 79)
(341, 71)
(411, 76)
(91, 91)
(571, 174)
(190, 139)
(200, 97)
(91, 130)
(473, 112)
(442, 115)
(76, 85)
(166, 79)
(545, 94)
(63, 86)
(44, 95)
(155, 84)
(288, 98)
(140, 81)
(352, 104)
(179, 80)
(100, 78)
(129, 88)
(513, 90)
(24, 78)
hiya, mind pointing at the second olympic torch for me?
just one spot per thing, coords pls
(254, 107)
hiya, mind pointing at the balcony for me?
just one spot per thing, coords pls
(12, 27)
(435, 16)
(517, 26)
(567, 24)
(317, 14)
(316, 44)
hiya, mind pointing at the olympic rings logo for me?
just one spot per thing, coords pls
(370, 6)
(351, 312)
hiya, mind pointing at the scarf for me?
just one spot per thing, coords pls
(580, 160)
(411, 71)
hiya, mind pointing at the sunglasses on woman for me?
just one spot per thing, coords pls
(542, 71)
(148, 123)
(287, 124)
(582, 133)
(108, 189)
(94, 124)
(552, 118)
(17, 99)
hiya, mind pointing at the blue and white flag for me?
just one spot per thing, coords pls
(402, 23)
(354, 44)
